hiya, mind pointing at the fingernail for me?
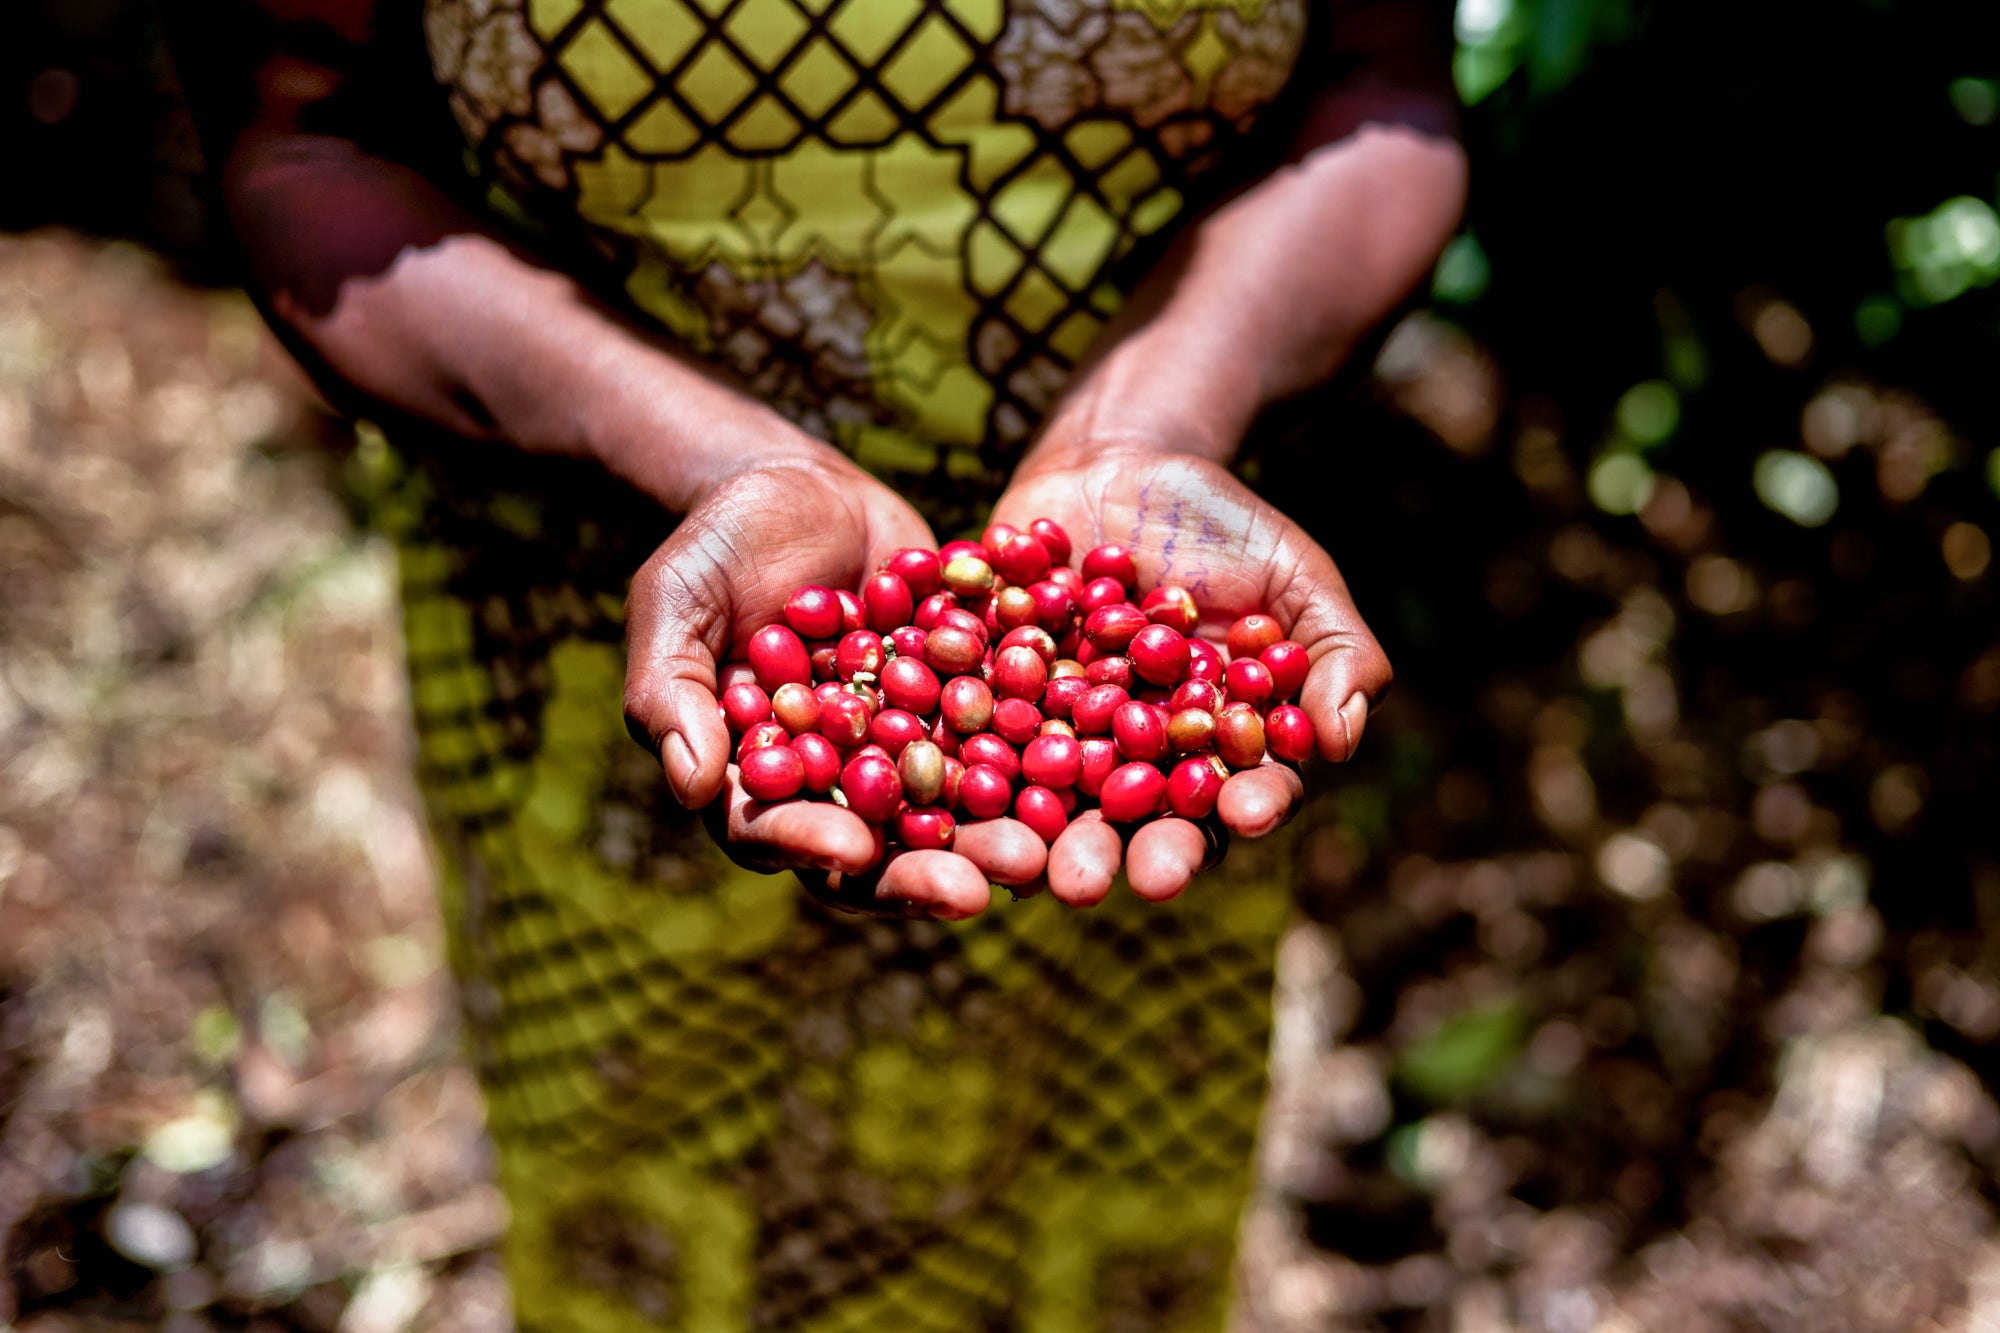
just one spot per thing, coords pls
(1353, 721)
(679, 761)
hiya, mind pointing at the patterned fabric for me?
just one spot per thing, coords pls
(718, 1105)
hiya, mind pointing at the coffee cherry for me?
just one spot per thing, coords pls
(1138, 731)
(887, 601)
(1053, 539)
(1190, 730)
(968, 574)
(1019, 673)
(987, 748)
(826, 689)
(1159, 654)
(872, 789)
(1067, 579)
(925, 828)
(1030, 636)
(1065, 667)
(1252, 635)
(778, 657)
(919, 569)
(907, 683)
(996, 536)
(1042, 811)
(1061, 695)
(925, 617)
(1201, 694)
(762, 736)
(961, 617)
(859, 654)
(1239, 736)
(1288, 732)
(796, 708)
(865, 692)
(1132, 792)
(821, 762)
(951, 551)
(1016, 721)
(1111, 669)
(894, 730)
(1015, 607)
(952, 651)
(1100, 756)
(774, 773)
(853, 614)
(1110, 628)
(1052, 761)
(1173, 606)
(984, 792)
(954, 773)
(1289, 668)
(1098, 594)
(1249, 681)
(921, 768)
(813, 612)
(966, 704)
(1023, 560)
(825, 658)
(743, 706)
(1193, 787)
(1204, 661)
(1111, 561)
(1055, 726)
(844, 719)
(907, 641)
(1091, 714)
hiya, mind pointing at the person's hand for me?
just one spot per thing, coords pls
(724, 574)
(1190, 522)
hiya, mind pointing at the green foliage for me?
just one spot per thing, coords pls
(1466, 1052)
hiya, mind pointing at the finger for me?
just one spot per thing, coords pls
(1083, 861)
(793, 834)
(1349, 669)
(1258, 800)
(672, 633)
(943, 884)
(1163, 857)
(1005, 850)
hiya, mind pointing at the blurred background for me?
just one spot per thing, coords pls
(1648, 975)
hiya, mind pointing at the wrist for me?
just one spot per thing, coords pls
(1155, 395)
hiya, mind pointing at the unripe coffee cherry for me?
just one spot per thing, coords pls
(778, 657)
(986, 748)
(1173, 606)
(1289, 668)
(1138, 731)
(872, 789)
(1159, 654)
(1098, 594)
(1100, 756)
(813, 612)
(1110, 628)
(1016, 721)
(1248, 681)
(1193, 787)
(1055, 726)
(773, 773)
(1023, 560)
(888, 602)
(1065, 667)
(1252, 635)
(1091, 714)
(1111, 561)
(925, 829)
(966, 704)
(797, 709)
(821, 761)
(1239, 736)
(952, 651)
(919, 569)
(1052, 761)
(1019, 673)
(859, 654)
(894, 730)
(744, 705)
(1288, 733)
(968, 574)
(921, 767)
(1015, 607)
(907, 683)
(1204, 661)
(1042, 811)
(1190, 730)
(984, 792)
(1053, 539)
(1133, 791)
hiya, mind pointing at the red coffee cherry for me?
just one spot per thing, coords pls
(908, 642)
(872, 789)
(1201, 694)
(954, 773)
(853, 615)
(1067, 579)
(1173, 606)
(761, 737)
(1289, 667)
(952, 651)
(986, 748)
(1020, 673)
(893, 730)
(1111, 561)
(1091, 714)
(1030, 636)
(1054, 604)
(1110, 628)
(962, 617)
(1100, 756)
(888, 602)
(996, 537)
(984, 792)
(925, 828)
(907, 683)
(1015, 607)
(1016, 721)
(1288, 733)
(1252, 635)
(743, 706)
(1239, 736)
(1111, 669)
(925, 617)
(1022, 560)
(1052, 761)
(796, 708)
(1204, 661)
(858, 654)
(1053, 539)
(1193, 786)
(844, 719)
(778, 656)
(813, 612)
(1159, 654)
(1042, 811)
(1139, 733)
(821, 762)
(966, 704)
(1055, 726)
(773, 773)
(1061, 695)
(1097, 594)
(1132, 792)
(921, 570)
(951, 551)
(1249, 681)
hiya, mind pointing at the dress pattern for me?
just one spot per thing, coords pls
(718, 1105)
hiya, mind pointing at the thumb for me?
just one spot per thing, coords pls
(1349, 669)
(677, 617)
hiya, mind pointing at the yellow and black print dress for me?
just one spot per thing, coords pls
(718, 1106)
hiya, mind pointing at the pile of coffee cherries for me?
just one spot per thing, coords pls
(989, 678)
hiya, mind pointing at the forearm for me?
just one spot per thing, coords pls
(1269, 294)
(410, 304)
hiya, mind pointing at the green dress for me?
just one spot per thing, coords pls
(718, 1105)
